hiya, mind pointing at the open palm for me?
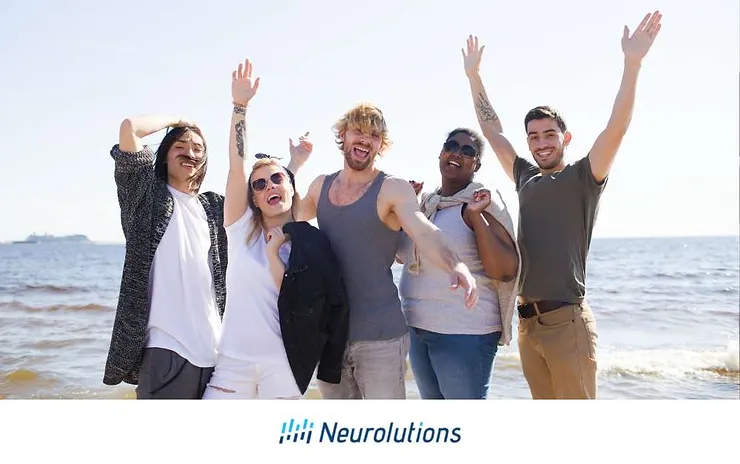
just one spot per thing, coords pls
(300, 152)
(242, 86)
(636, 46)
(473, 56)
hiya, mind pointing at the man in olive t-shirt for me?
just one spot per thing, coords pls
(558, 205)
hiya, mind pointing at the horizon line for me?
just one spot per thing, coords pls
(602, 237)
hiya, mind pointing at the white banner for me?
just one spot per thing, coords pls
(152, 432)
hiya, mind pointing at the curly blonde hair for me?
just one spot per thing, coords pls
(257, 222)
(366, 118)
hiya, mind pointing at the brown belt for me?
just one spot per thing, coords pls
(545, 306)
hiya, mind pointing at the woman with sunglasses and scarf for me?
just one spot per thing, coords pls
(452, 349)
(286, 311)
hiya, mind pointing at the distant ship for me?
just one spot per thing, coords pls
(47, 238)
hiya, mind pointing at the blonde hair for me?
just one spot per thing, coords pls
(366, 118)
(257, 222)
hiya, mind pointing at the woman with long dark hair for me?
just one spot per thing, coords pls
(172, 293)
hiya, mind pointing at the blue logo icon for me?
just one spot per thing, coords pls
(295, 431)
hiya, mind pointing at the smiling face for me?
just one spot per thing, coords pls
(271, 190)
(459, 159)
(361, 134)
(546, 143)
(360, 148)
(547, 137)
(185, 158)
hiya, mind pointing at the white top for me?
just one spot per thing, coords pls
(427, 300)
(251, 325)
(184, 316)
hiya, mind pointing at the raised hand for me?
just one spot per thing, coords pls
(417, 186)
(636, 46)
(242, 86)
(481, 200)
(472, 57)
(300, 152)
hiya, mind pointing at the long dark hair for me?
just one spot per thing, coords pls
(160, 159)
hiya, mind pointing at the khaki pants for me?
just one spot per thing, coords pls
(371, 370)
(558, 353)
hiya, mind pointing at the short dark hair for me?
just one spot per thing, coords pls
(545, 112)
(474, 136)
(160, 158)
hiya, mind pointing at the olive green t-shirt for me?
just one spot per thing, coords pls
(556, 218)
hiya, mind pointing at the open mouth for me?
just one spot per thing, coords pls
(361, 152)
(274, 199)
(190, 163)
(544, 153)
(453, 163)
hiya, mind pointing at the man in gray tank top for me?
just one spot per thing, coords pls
(558, 205)
(362, 210)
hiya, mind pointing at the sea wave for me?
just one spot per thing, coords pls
(666, 363)
(56, 307)
(45, 289)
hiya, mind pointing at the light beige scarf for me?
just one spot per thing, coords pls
(506, 291)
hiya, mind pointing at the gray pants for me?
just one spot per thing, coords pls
(371, 370)
(165, 374)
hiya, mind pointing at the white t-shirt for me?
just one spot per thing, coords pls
(251, 325)
(184, 316)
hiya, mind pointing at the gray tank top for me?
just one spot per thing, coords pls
(366, 249)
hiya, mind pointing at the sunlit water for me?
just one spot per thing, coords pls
(667, 319)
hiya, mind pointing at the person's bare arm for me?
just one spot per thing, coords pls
(308, 204)
(496, 247)
(635, 48)
(488, 120)
(428, 238)
(299, 154)
(242, 91)
(134, 129)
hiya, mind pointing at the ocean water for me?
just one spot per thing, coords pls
(666, 309)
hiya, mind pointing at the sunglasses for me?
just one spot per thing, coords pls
(260, 184)
(451, 146)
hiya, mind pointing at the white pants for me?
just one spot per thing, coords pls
(241, 380)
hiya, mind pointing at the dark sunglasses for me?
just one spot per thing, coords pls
(451, 146)
(260, 184)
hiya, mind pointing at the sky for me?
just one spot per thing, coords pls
(72, 71)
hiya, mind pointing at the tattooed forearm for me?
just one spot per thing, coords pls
(240, 127)
(485, 110)
(240, 109)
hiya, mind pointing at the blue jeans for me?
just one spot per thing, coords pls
(452, 366)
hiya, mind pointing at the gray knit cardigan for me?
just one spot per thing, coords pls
(146, 208)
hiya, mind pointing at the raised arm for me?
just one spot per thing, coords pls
(242, 91)
(134, 129)
(299, 154)
(488, 120)
(635, 47)
(308, 203)
(429, 240)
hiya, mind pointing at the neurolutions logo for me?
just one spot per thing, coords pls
(294, 431)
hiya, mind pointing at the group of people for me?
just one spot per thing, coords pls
(239, 296)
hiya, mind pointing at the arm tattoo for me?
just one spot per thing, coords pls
(240, 129)
(485, 110)
(240, 109)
